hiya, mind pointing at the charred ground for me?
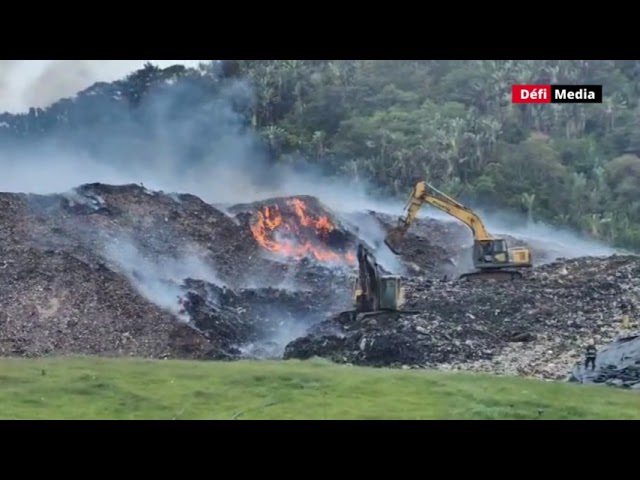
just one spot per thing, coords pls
(102, 270)
(121, 270)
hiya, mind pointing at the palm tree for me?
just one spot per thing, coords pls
(528, 200)
(351, 169)
(318, 140)
(273, 135)
(611, 106)
(553, 70)
(594, 224)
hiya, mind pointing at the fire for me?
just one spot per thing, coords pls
(297, 234)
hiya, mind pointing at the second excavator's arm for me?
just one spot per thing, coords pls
(368, 280)
(424, 193)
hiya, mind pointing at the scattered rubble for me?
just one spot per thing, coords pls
(121, 270)
(231, 320)
(433, 248)
(536, 327)
(56, 303)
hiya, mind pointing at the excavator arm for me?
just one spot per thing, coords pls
(375, 293)
(369, 281)
(424, 193)
(489, 253)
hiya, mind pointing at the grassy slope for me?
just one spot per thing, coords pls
(81, 388)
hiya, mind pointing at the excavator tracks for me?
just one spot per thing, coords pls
(499, 275)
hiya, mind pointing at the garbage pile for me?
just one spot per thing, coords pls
(298, 227)
(104, 270)
(54, 303)
(535, 327)
(240, 323)
(122, 270)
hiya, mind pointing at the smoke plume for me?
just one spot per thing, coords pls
(183, 137)
(39, 83)
(159, 279)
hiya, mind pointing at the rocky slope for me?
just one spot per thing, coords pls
(121, 270)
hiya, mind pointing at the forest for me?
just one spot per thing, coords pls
(393, 122)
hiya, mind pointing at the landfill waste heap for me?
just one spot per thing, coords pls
(122, 270)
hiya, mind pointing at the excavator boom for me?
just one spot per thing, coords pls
(424, 193)
(369, 281)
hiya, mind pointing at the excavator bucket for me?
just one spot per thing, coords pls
(393, 240)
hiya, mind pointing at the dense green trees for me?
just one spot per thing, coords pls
(394, 122)
(453, 122)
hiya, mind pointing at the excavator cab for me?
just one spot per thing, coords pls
(491, 252)
(493, 258)
(390, 296)
(495, 252)
(391, 292)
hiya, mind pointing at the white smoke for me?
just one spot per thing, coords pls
(234, 169)
(39, 83)
(159, 279)
(558, 242)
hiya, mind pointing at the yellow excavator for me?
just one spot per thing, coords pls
(491, 256)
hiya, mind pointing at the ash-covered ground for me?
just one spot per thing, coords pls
(121, 270)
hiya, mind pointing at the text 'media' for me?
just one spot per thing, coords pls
(556, 93)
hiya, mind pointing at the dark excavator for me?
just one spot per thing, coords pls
(374, 293)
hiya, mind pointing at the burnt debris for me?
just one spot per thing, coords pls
(534, 327)
(121, 270)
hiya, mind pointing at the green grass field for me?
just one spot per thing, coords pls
(89, 388)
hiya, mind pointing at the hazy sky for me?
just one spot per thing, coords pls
(38, 83)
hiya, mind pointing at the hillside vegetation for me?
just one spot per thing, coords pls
(135, 389)
(394, 122)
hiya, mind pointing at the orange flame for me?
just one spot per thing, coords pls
(304, 234)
